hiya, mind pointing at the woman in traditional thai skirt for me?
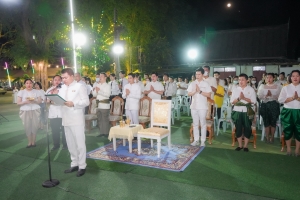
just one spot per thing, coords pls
(269, 106)
(29, 100)
(290, 114)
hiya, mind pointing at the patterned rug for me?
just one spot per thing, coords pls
(176, 159)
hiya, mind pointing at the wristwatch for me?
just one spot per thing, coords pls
(238, 99)
(200, 92)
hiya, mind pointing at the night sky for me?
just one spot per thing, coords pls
(215, 15)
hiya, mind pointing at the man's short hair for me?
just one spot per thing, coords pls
(137, 74)
(113, 75)
(165, 74)
(282, 73)
(103, 74)
(244, 75)
(156, 74)
(200, 70)
(56, 76)
(131, 74)
(122, 72)
(146, 74)
(206, 66)
(69, 71)
(217, 73)
(180, 77)
(171, 77)
(271, 74)
(235, 77)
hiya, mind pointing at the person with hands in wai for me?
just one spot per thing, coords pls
(29, 100)
(199, 90)
(269, 107)
(290, 114)
(154, 89)
(132, 93)
(243, 97)
(73, 121)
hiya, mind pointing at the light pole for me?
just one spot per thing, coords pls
(118, 49)
(80, 40)
(73, 35)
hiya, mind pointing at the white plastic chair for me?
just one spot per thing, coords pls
(185, 105)
(225, 118)
(177, 106)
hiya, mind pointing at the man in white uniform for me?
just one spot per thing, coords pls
(140, 83)
(154, 89)
(102, 93)
(97, 80)
(55, 116)
(132, 94)
(181, 87)
(174, 86)
(199, 90)
(73, 120)
(233, 85)
(78, 78)
(210, 80)
(115, 91)
(168, 93)
(123, 81)
(242, 98)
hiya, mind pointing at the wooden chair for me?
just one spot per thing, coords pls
(116, 110)
(209, 122)
(145, 111)
(160, 116)
(253, 127)
(91, 114)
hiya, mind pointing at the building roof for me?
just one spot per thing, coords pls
(252, 44)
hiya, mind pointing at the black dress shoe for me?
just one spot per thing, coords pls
(33, 145)
(28, 146)
(239, 148)
(72, 169)
(80, 172)
(246, 149)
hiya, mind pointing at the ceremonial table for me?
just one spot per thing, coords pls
(126, 132)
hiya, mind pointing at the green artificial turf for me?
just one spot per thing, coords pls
(218, 172)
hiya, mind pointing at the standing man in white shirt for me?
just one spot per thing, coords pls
(115, 91)
(102, 93)
(181, 87)
(73, 120)
(200, 91)
(174, 86)
(55, 116)
(243, 97)
(140, 83)
(168, 93)
(154, 89)
(123, 81)
(78, 78)
(97, 80)
(132, 94)
(210, 80)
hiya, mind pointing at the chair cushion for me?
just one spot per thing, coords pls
(143, 119)
(90, 117)
(154, 131)
(114, 118)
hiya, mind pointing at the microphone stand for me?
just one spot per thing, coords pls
(51, 182)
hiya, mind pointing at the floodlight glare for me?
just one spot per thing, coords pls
(192, 53)
(80, 39)
(118, 49)
(229, 5)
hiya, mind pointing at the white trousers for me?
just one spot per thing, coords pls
(75, 138)
(199, 116)
(133, 116)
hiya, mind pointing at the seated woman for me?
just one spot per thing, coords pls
(290, 97)
(269, 107)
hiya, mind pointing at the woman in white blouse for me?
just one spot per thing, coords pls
(38, 87)
(269, 106)
(290, 114)
(29, 100)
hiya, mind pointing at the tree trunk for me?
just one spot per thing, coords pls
(41, 73)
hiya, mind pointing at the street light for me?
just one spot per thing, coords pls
(229, 5)
(117, 50)
(192, 54)
(73, 35)
(80, 40)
